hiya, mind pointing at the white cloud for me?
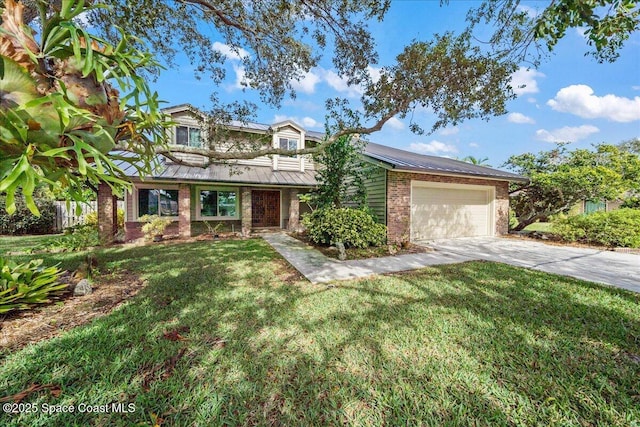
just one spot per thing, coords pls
(566, 134)
(374, 73)
(229, 52)
(432, 147)
(532, 12)
(395, 123)
(306, 84)
(520, 118)
(309, 122)
(635, 87)
(581, 32)
(531, 100)
(524, 81)
(340, 84)
(449, 131)
(241, 79)
(473, 145)
(580, 101)
(306, 122)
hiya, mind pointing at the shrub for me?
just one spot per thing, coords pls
(75, 238)
(24, 285)
(353, 227)
(616, 228)
(92, 219)
(23, 221)
(631, 202)
(155, 225)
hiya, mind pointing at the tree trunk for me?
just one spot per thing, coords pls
(523, 223)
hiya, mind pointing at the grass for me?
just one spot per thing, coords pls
(544, 227)
(225, 334)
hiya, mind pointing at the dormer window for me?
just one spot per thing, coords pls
(189, 136)
(288, 144)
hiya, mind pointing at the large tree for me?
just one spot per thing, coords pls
(67, 99)
(560, 178)
(278, 42)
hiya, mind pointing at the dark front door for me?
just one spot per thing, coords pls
(265, 208)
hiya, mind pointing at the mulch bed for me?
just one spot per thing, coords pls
(356, 253)
(21, 328)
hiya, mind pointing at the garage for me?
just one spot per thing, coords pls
(440, 210)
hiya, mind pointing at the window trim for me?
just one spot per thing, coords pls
(289, 139)
(136, 208)
(188, 127)
(200, 217)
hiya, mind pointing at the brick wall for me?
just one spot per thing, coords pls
(133, 230)
(399, 201)
(184, 210)
(107, 214)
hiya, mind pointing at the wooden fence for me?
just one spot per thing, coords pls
(66, 217)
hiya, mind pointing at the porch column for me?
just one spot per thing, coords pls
(107, 214)
(246, 211)
(294, 211)
(184, 210)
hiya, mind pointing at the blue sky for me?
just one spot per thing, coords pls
(570, 97)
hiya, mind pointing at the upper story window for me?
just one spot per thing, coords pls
(288, 144)
(189, 136)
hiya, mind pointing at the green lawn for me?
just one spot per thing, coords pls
(539, 226)
(470, 344)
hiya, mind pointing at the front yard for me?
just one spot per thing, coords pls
(226, 333)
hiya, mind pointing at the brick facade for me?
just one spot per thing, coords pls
(245, 201)
(294, 211)
(107, 214)
(184, 210)
(399, 201)
(133, 230)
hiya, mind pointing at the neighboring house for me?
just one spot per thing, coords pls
(590, 206)
(416, 196)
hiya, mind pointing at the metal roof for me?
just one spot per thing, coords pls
(408, 161)
(238, 174)
(224, 172)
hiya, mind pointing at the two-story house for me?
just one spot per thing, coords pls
(417, 196)
(243, 195)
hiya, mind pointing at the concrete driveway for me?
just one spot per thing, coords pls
(611, 268)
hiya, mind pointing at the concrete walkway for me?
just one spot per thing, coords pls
(611, 268)
(607, 267)
(318, 268)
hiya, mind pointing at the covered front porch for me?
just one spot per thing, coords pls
(195, 208)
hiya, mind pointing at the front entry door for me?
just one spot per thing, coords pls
(265, 208)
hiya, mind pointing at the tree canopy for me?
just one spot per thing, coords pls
(560, 178)
(67, 100)
(277, 43)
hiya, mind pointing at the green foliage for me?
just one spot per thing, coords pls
(606, 25)
(560, 178)
(23, 221)
(62, 112)
(155, 225)
(342, 175)
(631, 203)
(76, 238)
(618, 228)
(92, 219)
(24, 285)
(353, 227)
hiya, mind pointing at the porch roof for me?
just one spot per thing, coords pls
(241, 174)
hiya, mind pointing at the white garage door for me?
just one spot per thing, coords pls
(448, 210)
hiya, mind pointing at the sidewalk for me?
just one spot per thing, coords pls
(318, 268)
